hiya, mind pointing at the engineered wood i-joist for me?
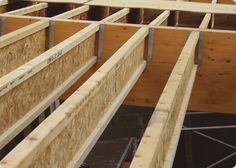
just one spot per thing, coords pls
(72, 13)
(80, 120)
(29, 9)
(38, 81)
(154, 146)
(169, 113)
(22, 45)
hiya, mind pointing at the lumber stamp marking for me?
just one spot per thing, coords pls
(40, 84)
(81, 119)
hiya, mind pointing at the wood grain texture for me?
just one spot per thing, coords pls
(21, 51)
(72, 123)
(39, 86)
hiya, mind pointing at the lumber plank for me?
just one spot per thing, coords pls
(27, 75)
(72, 13)
(160, 19)
(169, 160)
(169, 5)
(154, 147)
(27, 10)
(84, 111)
(116, 16)
(61, 1)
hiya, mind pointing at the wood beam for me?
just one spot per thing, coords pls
(85, 114)
(206, 20)
(72, 13)
(155, 149)
(160, 19)
(116, 16)
(169, 5)
(27, 75)
(27, 10)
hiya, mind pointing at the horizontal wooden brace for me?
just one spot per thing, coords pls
(27, 10)
(168, 5)
(72, 13)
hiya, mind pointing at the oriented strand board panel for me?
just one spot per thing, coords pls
(114, 38)
(21, 51)
(16, 103)
(167, 46)
(214, 88)
(66, 133)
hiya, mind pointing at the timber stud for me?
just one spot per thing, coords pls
(150, 45)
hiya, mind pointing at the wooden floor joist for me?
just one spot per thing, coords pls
(157, 149)
(154, 146)
(84, 109)
(20, 81)
(31, 38)
(26, 10)
(111, 59)
(72, 13)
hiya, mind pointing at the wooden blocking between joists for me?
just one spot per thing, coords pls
(31, 88)
(81, 119)
(156, 147)
(22, 45)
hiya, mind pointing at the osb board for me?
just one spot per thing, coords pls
(20, 100)
(225, 21)
(114, 38)
(12, 24)
(168, 44)
(64, 30)
(214, 88)
(20, 52)
(190, 19)
(87, 110)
